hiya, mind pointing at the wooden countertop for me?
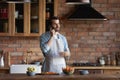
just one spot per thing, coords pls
(4, 68)
(98, 67)
(59, 77)
(81, 67)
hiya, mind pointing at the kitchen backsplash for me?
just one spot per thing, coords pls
(18, 47)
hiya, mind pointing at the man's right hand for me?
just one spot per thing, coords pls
(52, 31)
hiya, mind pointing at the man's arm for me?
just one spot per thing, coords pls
(46, 40)
(66, 52)
(44, 44)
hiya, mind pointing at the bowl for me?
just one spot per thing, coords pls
(31, 73)
(68, 70)
(37, 63)
(68, 73)
(83, 72)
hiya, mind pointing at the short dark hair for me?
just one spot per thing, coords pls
(54, 18)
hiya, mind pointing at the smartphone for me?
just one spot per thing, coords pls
(53, 28)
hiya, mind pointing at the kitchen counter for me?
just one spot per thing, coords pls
(59, 77)
(4, 69)
(110, 69)
(98, 67)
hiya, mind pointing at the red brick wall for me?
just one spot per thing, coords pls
(18, 46)
(87, 39)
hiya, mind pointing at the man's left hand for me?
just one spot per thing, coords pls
(64, 54)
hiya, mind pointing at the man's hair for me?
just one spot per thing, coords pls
(54, 18)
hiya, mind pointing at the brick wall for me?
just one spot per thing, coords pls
(18, 47)
(87, 39)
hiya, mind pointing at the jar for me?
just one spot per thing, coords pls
(113, 59)
(108, 60)
(102, 61)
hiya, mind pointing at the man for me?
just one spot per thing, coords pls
(54, 47)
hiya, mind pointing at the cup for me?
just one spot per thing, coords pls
(26, 0)
(16, 14)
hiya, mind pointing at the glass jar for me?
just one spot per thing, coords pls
(108, 60)
(102, 61)
(113, 59)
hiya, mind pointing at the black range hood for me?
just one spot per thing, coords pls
(15, 1)
(84, 11)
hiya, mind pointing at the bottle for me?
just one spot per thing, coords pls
(1, 58)
(108, 62)
(47, 13)
(5, 29)
(2, 61)
(0, 13)
(118, 58)
(16, 14)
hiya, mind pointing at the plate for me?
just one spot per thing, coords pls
(48, 73)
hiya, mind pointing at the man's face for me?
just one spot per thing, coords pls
(56, 25)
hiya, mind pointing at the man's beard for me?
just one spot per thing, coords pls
(57, 30)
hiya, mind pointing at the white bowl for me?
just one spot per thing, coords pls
(83, 72)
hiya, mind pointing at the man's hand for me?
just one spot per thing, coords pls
(64, 54)
(52, 32)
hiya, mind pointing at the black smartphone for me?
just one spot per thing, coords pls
(53, 28)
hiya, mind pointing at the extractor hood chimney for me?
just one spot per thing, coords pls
(77, 1)
(15, 1)
(84, 11)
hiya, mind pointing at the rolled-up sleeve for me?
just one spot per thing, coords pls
(43, 45)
